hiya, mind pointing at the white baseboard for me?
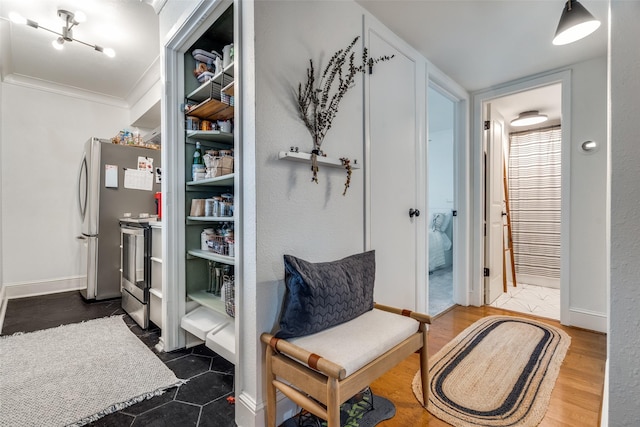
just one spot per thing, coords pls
(44, 287)
(3, 305)
(250, 414)
(604, 418)
(586, 319)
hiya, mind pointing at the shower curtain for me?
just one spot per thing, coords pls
(535, 200)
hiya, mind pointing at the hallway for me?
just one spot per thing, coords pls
(531, 299)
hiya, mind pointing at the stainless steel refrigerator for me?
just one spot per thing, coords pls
(113, 180)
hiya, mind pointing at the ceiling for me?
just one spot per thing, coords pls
(478, 43)
(483, 43)
(546, 99)
(130, 27)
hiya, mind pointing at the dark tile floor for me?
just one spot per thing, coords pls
(202, 401)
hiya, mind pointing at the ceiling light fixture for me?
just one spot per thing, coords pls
(70, 19)
(575, 23)
(529, 118)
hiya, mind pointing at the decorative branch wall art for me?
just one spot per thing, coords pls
(319, 100)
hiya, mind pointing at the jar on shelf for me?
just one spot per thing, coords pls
(205, 236)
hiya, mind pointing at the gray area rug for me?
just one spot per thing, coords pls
(77, 373)
(499, 372)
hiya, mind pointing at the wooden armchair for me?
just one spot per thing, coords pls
(319, 372)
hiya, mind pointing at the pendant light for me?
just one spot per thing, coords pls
(575, 23)
(529, 118)
(71, 19)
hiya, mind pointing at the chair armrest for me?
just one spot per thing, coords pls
(422, 318)
(312, 360)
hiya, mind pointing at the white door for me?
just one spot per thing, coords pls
(392, 131)
(494, 191)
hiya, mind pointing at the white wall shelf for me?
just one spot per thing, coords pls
(323, 161)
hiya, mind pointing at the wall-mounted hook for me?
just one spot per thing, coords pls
(413, 212)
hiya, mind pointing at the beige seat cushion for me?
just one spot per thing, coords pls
(359, 341)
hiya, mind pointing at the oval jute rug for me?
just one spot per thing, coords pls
(500, 371)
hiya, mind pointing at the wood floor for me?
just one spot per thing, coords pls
(576, 399)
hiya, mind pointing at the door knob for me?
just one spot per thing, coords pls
(413, 212)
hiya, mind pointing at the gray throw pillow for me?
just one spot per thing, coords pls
(322, 295)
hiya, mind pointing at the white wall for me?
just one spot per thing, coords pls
(3, 299)
(624, 340)
(587, 304)
(283, 211)
(586, 293)
(296, 216)
(42, 140)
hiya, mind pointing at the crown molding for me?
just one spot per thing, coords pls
(145, 83)
(73, 92)
(157, 5)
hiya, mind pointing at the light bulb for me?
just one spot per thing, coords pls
(576, 33)
(109, 52)
(58, 43)
(529, 118)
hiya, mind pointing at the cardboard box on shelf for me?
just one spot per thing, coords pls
(220, 166)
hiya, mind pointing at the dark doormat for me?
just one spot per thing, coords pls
(363, 410)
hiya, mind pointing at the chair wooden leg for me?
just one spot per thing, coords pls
(333, 403)
(271, 390)
(424, 365)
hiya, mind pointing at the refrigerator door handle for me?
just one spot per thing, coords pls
(83, 172)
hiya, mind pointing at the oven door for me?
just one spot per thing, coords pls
(133, 262)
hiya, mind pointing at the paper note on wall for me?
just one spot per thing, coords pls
(111, 176)
(138, 179)
(145, 163)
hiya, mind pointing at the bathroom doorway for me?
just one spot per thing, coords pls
(441, 195)
(523, 201)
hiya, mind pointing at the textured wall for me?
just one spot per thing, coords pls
(294, 215)
(43, 134)
(588, 193)
(624, 339)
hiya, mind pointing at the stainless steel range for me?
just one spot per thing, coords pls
(135, 238)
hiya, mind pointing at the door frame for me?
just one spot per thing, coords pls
(476, 291)
(439, 81)
(191, 25)
(491, 146)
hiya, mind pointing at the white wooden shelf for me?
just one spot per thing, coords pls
(224, 180)
(306, 158)
(209, 300)
(155, 292)
(215, 328)
(204, 90)
(211, 218)
(212, 256)
(211, 136)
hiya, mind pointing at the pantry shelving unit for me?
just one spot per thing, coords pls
(206, 318)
